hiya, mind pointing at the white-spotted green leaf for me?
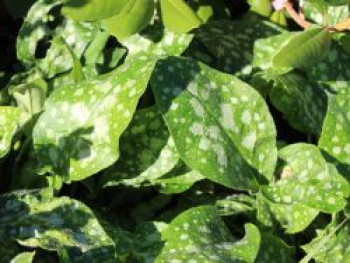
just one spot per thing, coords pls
(231, 42)
(9, 118)
(235, 204)
(157, 41)
(147, 152)
(200, 234)
(301, 101)
(176, 184)
(90, 10)
(134, 17)
(331, 245)
(178, 17)
(274, 250)
(309, 47)
(25, 257)
(37, 219)
(36, 28)
(78, 134)
(323, 13)
(221, 126)
(308, 182)
(335, 137)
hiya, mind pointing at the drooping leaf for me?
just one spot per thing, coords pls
(208, 114)
(25, 257)
(90, 10)
(200, 234)
(134, 17)
(37, 219)
(9, 117)
(178, 17)
(308, 185)
(78, 133)
(303, 50)
(147, 151)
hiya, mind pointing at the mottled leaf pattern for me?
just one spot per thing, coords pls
(147, 151)
(9, 117)
(308, 184)
(212, 136)
(200, 234)
(37, 219)
(78, 134)
(231, 42)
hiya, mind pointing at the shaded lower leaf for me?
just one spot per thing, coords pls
(37, 219)
(200, 234)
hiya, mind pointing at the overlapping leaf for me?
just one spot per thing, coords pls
(200, 234)
(78, 134)
(9, 118)
(37, 219)
(25, 257)
(308, 185)
(221, 126)
(147, 151)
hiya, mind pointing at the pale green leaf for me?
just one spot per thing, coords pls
(90, 10)
(178, 17)
(303, 50)
(78, 134)
(200, 234)
(134, 17)
(235, 204)
(221, 126)
(25, 257)
(326, 12)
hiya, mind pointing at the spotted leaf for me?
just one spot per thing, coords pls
(331, 245)
(221, 126)
(9, 118)
(200, 234)
(231, 42)
(78, 133)
(37, 219)
(147, 151)
(335, 136)
(308, 185)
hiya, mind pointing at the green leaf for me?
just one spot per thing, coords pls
(301, 101)
(147, 151)
(261, 7)
(331, 245)
(200, 234)
(235, 204)
(158, 41)
(90, 10)
(305, 49)
(221, 126)
(274, 250)
(78, 134)
(308, 185)
(326, 12)
(209, 9)
(37, 219)
(25, 257)
(134, 17)
(335, 135)
(9, 117)
(177, 16)
(231, 42)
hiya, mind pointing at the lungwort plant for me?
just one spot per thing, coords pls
(176, 131)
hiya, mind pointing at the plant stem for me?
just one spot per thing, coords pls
(296, 17)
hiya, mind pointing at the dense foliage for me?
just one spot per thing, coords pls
(176, 131)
